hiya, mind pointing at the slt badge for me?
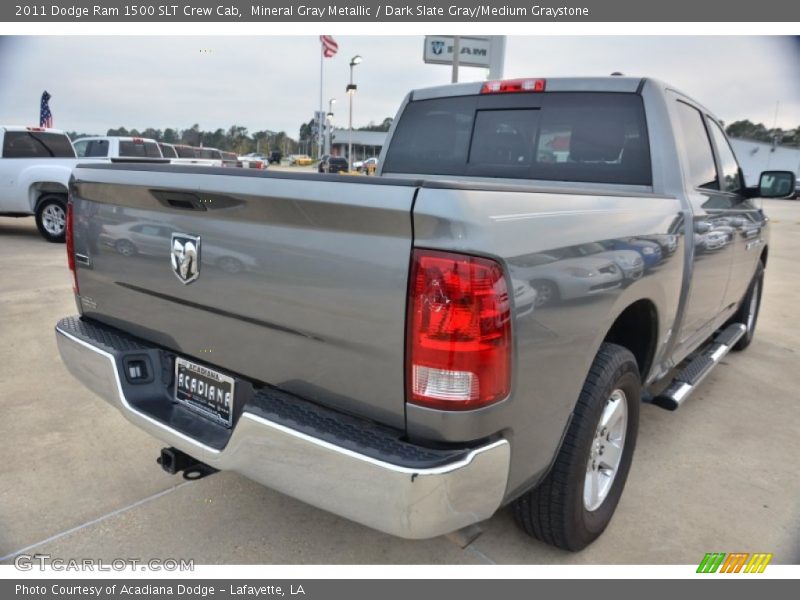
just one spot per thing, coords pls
(185, 257)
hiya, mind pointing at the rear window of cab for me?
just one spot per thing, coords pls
(36, 144)
(557, 136)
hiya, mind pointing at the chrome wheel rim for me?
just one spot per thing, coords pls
(605, 454)
(751, 310)
(54, 219)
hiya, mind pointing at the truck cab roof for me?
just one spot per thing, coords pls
(31, 128)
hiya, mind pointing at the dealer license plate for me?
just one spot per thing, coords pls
(205, 390)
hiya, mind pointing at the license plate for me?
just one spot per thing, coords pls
(205, 390)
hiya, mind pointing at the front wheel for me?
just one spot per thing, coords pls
(51, 218)
(573, 505)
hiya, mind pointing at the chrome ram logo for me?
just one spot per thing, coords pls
(185, 257)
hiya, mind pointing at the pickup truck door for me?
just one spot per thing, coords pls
(710, 238)
(739, 217)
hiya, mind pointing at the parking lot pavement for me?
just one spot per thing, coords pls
(79, 481)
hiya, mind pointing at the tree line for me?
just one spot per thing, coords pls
(758, 132)
(234, 139)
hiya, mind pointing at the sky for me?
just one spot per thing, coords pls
(272, 82)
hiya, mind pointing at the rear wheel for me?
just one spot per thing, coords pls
(51, 218)
(748, 311)
(125, 247)
(573, 505)
(546, 292)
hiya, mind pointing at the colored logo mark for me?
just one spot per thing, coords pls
(736, 562)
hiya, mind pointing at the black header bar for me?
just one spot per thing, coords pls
(478, 11)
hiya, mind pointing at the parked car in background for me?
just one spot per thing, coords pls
(559, 276)
(187, 155)
(650, 251)
(209, 154)
(117, 147)
(35, 167)
(300, 160)
(275, 157)
(629, 262)
(332, 164)
(368, 166)
(230, 159)
(253, 161)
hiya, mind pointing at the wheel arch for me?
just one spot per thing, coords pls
(38, 190)
(636, 328)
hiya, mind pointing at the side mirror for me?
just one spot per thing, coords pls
(776, 184)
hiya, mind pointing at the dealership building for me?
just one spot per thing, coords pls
(365, 143)
(755, 157)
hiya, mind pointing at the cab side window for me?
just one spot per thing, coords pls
(697, 148)
(727, 159)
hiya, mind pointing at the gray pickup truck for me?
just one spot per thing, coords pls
(473, 328)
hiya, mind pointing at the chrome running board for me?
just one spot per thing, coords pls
(690, 377)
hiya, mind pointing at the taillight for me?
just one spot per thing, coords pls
(513, 85)
(459, 331)
(70, 239)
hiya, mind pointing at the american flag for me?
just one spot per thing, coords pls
(45, 116)
(329, 46)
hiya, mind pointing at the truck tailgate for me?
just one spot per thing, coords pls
(301, 280)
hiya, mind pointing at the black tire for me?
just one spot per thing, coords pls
(51, 218)
(743, 314)
(555, 512)
(546, 292)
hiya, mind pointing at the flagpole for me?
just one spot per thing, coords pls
(319, 114)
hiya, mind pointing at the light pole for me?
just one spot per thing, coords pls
(329, 120)
(351, 90)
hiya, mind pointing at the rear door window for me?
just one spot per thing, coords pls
(727, 159)
(36, 144)
(97, 148)
(168, 151)
(697, 148)
(135, 149)
(185, 151)
(581, 137)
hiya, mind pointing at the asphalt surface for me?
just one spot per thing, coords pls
(77, 480)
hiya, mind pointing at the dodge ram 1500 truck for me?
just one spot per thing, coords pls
(475, 327)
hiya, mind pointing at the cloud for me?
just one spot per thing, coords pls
(272, 82)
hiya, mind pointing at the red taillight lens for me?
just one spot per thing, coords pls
(513, 85)
(459, 331)
(70, 239)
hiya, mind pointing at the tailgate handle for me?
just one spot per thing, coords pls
(196, 201)
(179, 200)
(184, 204)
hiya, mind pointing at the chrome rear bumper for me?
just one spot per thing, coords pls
(402, 501)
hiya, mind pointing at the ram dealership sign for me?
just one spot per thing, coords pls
(473, 51)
